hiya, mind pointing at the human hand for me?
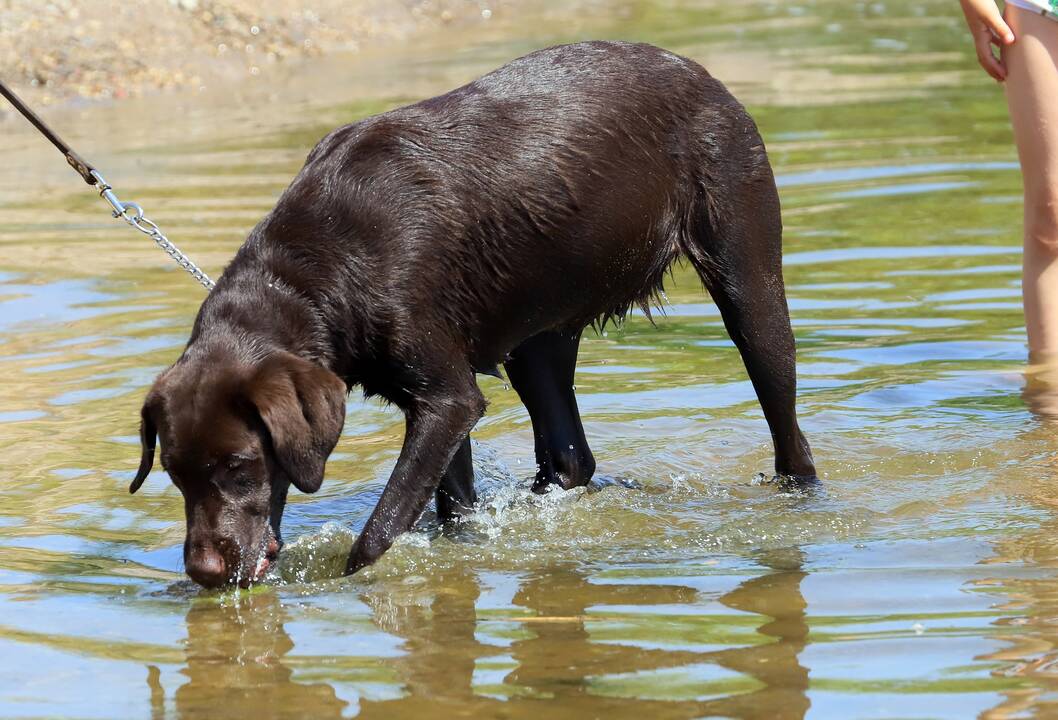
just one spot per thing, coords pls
(988, 28)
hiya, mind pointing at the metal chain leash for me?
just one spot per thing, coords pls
(132, 213)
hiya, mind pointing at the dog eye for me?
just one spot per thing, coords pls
(244, 482)
(235, 461)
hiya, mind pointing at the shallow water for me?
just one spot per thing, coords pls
(919, 580)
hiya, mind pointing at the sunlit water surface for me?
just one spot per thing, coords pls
(919, 580)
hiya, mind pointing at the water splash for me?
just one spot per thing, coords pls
(618, 519)
(318, 556)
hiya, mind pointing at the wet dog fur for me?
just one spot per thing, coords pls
(487, 226)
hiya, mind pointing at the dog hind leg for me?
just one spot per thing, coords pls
(541, 370)
(737, 250)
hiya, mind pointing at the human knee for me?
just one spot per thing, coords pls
(1041, 222)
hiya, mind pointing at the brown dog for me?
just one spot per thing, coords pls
(488, 225)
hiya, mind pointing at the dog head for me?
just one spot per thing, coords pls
(234, 437)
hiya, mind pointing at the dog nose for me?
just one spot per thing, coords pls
(207, 568)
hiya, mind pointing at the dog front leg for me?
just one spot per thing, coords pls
(435, 428)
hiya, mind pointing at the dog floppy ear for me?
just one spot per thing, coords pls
(148, 441)
(303, 406)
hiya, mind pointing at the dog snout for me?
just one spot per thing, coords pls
(207, 567)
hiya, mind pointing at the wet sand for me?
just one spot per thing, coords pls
(62, 50)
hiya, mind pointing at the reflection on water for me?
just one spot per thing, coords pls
(920, 579)
(775, 665)
(1041, 389)
(1030, 651)
(236, 662)
(564, 646)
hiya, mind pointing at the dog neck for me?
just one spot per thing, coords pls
(230, 320)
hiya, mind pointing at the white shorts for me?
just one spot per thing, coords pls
(1041, 7)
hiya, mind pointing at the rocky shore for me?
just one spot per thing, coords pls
(57, 50)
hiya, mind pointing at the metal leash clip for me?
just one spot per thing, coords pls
(132, 213)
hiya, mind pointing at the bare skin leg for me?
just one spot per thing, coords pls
(1032, 94)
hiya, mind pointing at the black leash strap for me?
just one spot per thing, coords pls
(130, 212)
(76, 161)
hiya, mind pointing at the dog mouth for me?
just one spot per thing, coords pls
(266, 558)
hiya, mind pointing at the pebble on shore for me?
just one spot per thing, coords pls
(57, 50)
